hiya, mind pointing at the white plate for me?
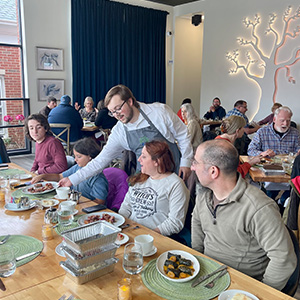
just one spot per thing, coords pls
(163, 257)
(59, 251)
(228, 295)
(14, 207)
(23, 176)
(55, 184)
(124, 241)
(55, 202)
(119, 219)
(152, 252)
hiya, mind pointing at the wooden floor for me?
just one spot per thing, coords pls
(26, 162)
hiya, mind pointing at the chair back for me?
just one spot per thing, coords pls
(3, 153)
(293, 282)
(65, 128)
(117, 187)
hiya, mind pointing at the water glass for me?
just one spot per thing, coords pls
(133, 258)
(7, 261)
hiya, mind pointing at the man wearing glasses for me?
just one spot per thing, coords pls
(236, 223)
(240, 108)
(138, 124)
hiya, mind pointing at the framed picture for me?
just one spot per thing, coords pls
(50, 87)
(49, 59)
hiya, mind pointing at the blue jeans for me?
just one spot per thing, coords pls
(284, 196)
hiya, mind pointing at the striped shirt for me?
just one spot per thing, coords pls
(266, 138)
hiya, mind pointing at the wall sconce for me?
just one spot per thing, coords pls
(196, 19)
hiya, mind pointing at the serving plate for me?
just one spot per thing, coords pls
(119, 219)
(25, 190)
(228, 295)
(23, 176)
(163, 257)
(14, 206)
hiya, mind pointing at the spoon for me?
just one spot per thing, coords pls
(4, 240)
(211, 284)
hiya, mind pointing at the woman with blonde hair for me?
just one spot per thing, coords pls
(193, 125)
(88, 113)
(233, 128)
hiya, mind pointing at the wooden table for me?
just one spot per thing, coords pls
(90, 128)
(210, 122)
(43, 278)
(259, 176)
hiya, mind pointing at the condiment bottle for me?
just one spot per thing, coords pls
(124, 289)
(47, 232)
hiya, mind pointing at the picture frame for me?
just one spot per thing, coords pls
(49, 59)
(50, 87)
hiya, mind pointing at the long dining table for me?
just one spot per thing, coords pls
(43, 278)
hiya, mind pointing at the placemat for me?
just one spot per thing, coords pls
(183, 291)
(19, 193)
(23, 244)
(59, 229)
(11, 172)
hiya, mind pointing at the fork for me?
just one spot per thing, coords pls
(4, 240)
(63, 297)
(211, 284)
(71, 297)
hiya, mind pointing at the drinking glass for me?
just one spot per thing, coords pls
(7, 261)
(133, 259)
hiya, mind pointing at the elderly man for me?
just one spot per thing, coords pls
(276, 138)
(235, 222)
(216, 111)
(138, 124)
(52, 102)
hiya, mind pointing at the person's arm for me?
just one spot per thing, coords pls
(251, 130)
(255, 147)
(47, 177)
(126, 209)
(115, 145)
(59, 157)
(267, 227)
(178, 197)
(208, 115)
(197, 232)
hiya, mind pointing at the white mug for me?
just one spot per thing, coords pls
(146, 242)
(62, 192)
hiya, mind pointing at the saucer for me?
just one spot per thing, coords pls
(56, 197)
(152, 252)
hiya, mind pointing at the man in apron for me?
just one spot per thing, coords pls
(138, 124)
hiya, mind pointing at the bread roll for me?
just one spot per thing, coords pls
(240, 296)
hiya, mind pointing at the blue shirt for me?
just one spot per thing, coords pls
(219, 112)
(94, 187)
(266, 138)
(236, 112)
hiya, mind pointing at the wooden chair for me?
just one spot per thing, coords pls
(65, 129)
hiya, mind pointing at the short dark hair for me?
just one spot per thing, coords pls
(222, 154)
(240, 103)
(186, 100)
(42, 120)
(52, 99)
(123, 91)
(217, 98)
(87, 146)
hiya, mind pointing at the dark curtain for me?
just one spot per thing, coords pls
(116, 43)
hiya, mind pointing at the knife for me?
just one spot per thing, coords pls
(27, 255)
(21, 185)
(204, 277)
(2, 286)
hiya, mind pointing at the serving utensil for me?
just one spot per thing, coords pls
(4, 240)
(27, 255)
(211, 284)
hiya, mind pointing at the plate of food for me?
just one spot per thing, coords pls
(110, 217)
(178, 266)
(122, 239)
(49, 202)
(23, 176)
(40, 188)
(236, 295)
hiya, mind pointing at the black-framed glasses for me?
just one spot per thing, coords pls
(116, 111)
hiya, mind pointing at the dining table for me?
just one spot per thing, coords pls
(43, 277)
(258, 175)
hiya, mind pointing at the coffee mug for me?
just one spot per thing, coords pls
(62, 192)
(146, 242)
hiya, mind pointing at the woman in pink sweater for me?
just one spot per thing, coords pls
(49, 153)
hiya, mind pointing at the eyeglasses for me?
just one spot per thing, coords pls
(116, 111)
